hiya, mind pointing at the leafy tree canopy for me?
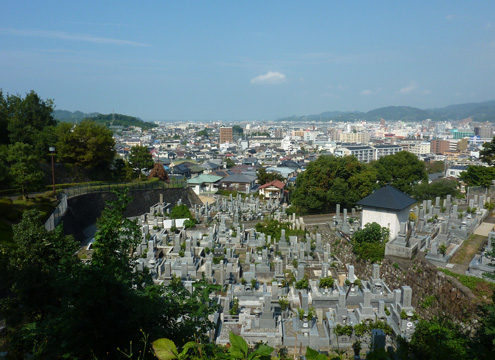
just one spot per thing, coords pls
(140, 158)
(237, 130)
(27, 116)
(441, 188)
(266, 177)
(24, 168)
(401, 170)
(86, 144)
(487, 154)
(369, 242)
(332, 180)
(435, 167)
(477, 175)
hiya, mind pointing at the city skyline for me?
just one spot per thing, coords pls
(247, 61)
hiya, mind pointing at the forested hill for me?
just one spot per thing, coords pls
(480, 112)
(106, 119)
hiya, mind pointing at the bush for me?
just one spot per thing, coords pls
(283, 303)
(326, 282)
(369, 242)
(302, 284)
(5, 206)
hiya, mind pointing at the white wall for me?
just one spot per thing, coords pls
(386, 218)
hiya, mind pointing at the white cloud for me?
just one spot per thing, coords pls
(409, 88)
(67, 36)
(367, 92)
(449, 17)
(271, 77)
(426, 92)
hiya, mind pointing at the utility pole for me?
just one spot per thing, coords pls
(52, 150)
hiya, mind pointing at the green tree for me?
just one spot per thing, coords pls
(28, 116)
(24, 168)
(433, 167)
(440, 188)
(369, 242)
(237, 130)
(229, 163)
(439, 339)
(484, 339)
(477, 175)
(87, 144)
(487, 154)
(140, 159)
(61, 308)
(203, 132)
(4, 119)
(332, 180)
(401, 170)
(34, 280)
(116, 238)
(265, 177)
(4, 171)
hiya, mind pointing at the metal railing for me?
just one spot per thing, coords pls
(57, 214)
(101, 188)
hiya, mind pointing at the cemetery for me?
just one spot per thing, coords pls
(289, 289)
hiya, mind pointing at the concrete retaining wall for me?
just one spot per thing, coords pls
(84, 210)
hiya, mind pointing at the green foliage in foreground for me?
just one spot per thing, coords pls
(57, 307)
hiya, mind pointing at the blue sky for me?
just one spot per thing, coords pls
(249, 60)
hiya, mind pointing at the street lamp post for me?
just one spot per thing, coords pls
(52, 150)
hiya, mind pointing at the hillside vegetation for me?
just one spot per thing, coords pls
(484, 111)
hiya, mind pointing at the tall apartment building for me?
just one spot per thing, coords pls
(438, 146)
(384, 150)
(354, 137)
(368, 153)
(362, 153)
(299, 133)
(420, 148)
(226, 135)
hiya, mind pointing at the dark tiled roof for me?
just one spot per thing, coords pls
(359, 147)
(387, 197)
(386, 146)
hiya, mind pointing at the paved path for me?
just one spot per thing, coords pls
(484, 229)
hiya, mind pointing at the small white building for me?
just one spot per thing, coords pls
(388, 207)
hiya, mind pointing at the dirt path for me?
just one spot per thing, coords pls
(466, 253)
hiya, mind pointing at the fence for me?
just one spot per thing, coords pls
(57, 214)
(100, 188)
(480, 190)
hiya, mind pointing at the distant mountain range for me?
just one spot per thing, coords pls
(106, 119)
(479, 112)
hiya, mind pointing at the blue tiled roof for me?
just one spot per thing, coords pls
(388, 198)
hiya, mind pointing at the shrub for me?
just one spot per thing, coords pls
(302, 284)
(283, 303)
(326, 282)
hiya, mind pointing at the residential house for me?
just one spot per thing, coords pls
(272, 190)
(204, 183)
(238, 182)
